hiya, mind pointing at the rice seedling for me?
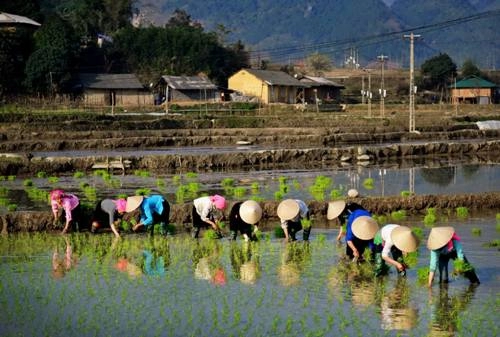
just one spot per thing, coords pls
(143, 191)
(497, 217)
(11, 207)
(278, 232)
(431, 217)
(462, 212)
(460, 267)
(398, 215)
(492, 243)
(78, 175)
(41, 174)
(191, 175)
(279, 195)
(27, 182)
(53, 180)
(227, 182)
(240, 191)
(318, 189)
(419, 233)
(476, 231)
(11, 178)
(369, 183)
(142, 173)
(422, 275)
(335, 194)
(176, 180)
(255, 188)
(405, 193)
(160, 183)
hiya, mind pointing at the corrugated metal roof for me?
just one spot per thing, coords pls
(315, 81)
(110, 81)
(272, 77)
(6, 18)
(473, 82)
(188, 82)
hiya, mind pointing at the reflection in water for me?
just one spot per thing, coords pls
(395, 309)
(61, 264)
(295, 257)
(441, 176)
(152, 259)
(245, 263)
(207, 264)
(446, 308)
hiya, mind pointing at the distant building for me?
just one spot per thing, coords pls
(124, 90)
(321, 88)
(186, 89)
(268, 86)
(474, 90)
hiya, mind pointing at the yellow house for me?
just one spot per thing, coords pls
(267, 85)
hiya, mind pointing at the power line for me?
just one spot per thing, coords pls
(369, 40)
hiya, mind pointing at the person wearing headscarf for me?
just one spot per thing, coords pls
(71, 206)
(108, 211)
(360, 226)
(292, 212)
(444, 245)
(244, 218)
(342, 210)
(391, 242)
(154, 209)
(204, 213)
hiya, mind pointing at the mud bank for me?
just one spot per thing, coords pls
(489, 150)
(22, 142)
(180, 215)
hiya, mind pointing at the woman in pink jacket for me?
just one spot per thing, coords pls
(71, 206)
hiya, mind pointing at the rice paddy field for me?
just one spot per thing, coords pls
(140, 285)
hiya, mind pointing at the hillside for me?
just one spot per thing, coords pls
(286, 31)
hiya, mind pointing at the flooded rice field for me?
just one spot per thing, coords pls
(318, 183)
(94, 285)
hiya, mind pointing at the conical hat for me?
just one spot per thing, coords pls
(133, 203)
(250, 212)
(288, 209)
(335, 208)
(404, 239)
(364, 227)
(352, 193)
(439, 236)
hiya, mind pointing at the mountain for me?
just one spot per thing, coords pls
(285, 31)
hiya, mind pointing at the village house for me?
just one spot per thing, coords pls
(319, 88)
(122, 90)
(186, 89)
(474, 90)
(267, 85)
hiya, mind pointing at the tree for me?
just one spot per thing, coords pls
(470, 69)
(318, 63)
(49, 65)
(437, 72)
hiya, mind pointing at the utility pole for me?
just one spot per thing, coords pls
(368, 93)
(413, 88)
(382, 91)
